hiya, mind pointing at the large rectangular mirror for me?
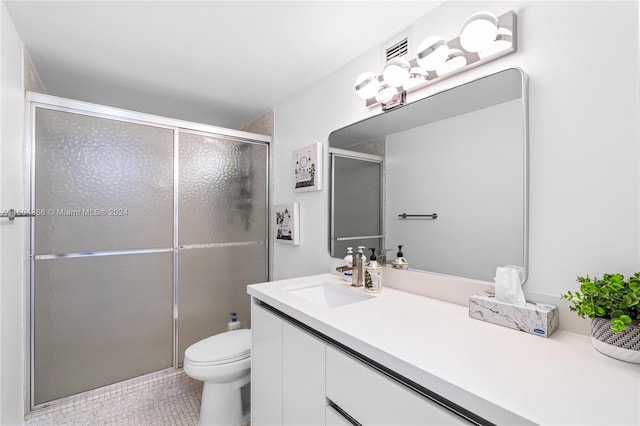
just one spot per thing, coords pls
(460, 154)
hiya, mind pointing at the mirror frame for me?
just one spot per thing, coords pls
(385, 117)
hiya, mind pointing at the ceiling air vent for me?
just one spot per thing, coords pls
(400, 48)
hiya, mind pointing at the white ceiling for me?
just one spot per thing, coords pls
(217, 62)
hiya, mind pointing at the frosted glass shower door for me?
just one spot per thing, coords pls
(102, 281)
(222, 232)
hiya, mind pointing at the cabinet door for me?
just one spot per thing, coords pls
(333, 418)
(372, 398)
(266, 367)
(303, 378)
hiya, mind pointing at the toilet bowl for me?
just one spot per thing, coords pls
(223, 363)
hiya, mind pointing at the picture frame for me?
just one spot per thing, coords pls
(307, 168)
(286, 219)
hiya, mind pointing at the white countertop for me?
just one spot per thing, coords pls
(503, 375)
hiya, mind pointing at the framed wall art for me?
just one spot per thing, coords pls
(287, 223)
(307, 168)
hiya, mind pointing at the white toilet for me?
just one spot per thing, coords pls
(223, 363)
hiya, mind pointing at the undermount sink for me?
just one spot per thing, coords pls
(329, 295)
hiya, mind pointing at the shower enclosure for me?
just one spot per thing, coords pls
(144, 235)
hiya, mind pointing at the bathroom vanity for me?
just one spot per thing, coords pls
(326, 353)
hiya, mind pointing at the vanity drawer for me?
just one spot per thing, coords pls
(371, 397)
(333, 418)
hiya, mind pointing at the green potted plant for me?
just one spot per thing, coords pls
(613, 303)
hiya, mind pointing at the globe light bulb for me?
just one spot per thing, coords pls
(455, 61)
(503, 41)
(396, 72)
(418, 76)
(479, 31)
(386, 93)
(432, 52)
(367, 85)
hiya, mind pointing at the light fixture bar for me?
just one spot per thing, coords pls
(506, 21)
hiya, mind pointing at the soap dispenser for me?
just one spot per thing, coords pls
(400, 262)
(348, 259)
(381, 256)
(347, 270)
(373, 254)
(373, 277)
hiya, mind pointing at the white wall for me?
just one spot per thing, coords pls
(584, 132)
(12, 235)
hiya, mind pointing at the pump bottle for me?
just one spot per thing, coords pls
(234, 324)
(358, 268)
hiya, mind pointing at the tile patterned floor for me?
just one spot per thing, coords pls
(166, 398)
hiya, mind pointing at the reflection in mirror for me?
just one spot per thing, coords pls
(461, 154)
(356, 200)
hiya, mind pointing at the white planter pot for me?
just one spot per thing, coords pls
(624, 345)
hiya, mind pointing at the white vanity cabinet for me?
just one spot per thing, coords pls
(387, 360)
(298, 378)
(266, 367)
(287, 373)
(303, 377)
(372, 398)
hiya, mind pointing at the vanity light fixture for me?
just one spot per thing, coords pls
(455, 61)
(385, 93)
(396, 72)
(484, 38)
(418, 76)
(432, 52)
(479, 31)
(502, 42)
(367, 85)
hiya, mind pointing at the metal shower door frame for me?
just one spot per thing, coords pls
(37, 100)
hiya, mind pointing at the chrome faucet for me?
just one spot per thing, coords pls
(358, 259)
(357, 268)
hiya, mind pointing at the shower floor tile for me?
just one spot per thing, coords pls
(170, 398)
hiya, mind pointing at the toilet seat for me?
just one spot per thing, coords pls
(223, 348)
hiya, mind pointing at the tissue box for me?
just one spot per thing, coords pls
(534, 318)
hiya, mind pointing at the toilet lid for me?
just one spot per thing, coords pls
(224, 347)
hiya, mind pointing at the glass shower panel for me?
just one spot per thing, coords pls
(223, 196)
(213, 283)
(100, 316)
(104, 184)
(100, 320)
(222, 237)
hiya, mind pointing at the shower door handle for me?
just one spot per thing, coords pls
(12, 213)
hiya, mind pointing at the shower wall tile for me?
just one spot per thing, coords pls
(375, 146)
(32, 82)
(262, 125)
